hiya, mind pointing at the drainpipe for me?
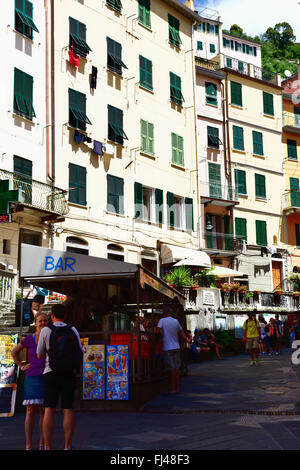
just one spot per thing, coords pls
(47, 90)
(52, 93)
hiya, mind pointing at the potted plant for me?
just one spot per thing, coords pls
(243, 289)
(226, 287)
(180, 277)
(206, 278)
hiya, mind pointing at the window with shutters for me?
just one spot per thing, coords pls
(77, 184)
(199, 45)
(236, 94)
(144, 12)
(180, 212)
(114, 56)
(77, 110)
(77, 38)
(147, 137)
(24, 18)
(241, 228)
(23, 94)
(213, 137)
(146, 73)
(240, 182)
(268, 103)
(115, 195)
(145, 203)
(238, 138)
(260, 186)
(295, 192)
(292, 149)
(115, 4)
(214, 180)
(258, 148)
(177, 150)
(23, 177)
(211, 93)
(174, 35)
(115, 125)
(261, 233)
(175, 89)
(212, 48)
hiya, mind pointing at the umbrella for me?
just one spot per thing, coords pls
(221, 271)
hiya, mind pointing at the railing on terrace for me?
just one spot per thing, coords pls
(217, 190)
(291, 199)
(291, 119)
(250, 70)
(7, 287)
(222, 241)
(261, 301)
(206, 63)
(235, 64)
(265, 75)
(38, 195)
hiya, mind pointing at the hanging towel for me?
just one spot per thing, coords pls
(109, 149)
(78, 137)
(94, 77)
(74, 59)
(264, 251)
(87, 139)
(98, 147)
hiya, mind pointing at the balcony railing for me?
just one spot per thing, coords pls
(222, 241)
(38, 195)
(291, 119)
(265, 75)
(206, 64)
(249, 69)
(216, 190)
(261, 301)
(7, 287)
(235, 64)
(291, 199)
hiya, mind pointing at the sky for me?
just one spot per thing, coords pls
(255, 16)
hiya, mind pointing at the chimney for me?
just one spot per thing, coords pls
(190, 4)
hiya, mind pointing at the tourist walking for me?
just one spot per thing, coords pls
(280, 330)
(61, 345)
(33, 384)
(272, 332)
(171, 331)
(251, 336)
(263, 341)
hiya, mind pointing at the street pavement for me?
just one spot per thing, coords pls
(222, 405)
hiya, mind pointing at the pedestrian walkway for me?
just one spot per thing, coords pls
(222, 405)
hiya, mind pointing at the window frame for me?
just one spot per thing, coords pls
(77, 34)
(115, 5)
(236, 93)
(174, 31)
(258, 144)
(211, 98)
(268, 103)
(78, 110)
(117, 195)
(292, 150)
(144, 13)
(144, 65)
(261, 233)
(79, 186)
(147, 140)
(24, 16)
(240, 183)
(23, 94)
(115, 126)
(260, 186)
(238, 138)
(175, 89)
(177, 149)
(114, 61)
(213, 140)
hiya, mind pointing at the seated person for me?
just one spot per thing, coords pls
(209, 339)
(198, 345)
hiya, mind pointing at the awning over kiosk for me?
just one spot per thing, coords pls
(55, 270)
(172, 254)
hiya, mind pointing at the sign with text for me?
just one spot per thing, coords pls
(93, 372)
(8, 387)
(117, 372)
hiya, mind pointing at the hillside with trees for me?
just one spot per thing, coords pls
(280, 52)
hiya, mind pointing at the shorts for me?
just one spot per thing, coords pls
(252, 343)
(172, 359)
(59, 386)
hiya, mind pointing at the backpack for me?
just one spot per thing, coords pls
(65, 355)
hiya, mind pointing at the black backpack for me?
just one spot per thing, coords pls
(65, 355)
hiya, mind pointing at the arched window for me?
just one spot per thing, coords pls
(115, 252)
(76, 245)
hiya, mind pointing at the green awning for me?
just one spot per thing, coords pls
(80, 115)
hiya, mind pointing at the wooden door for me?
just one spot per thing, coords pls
(277, 274)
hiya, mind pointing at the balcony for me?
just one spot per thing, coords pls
(208, 67)
(218, 194)
(291, 201)
(291, 122)
(222, 243)
(36, 195)
(249, 70)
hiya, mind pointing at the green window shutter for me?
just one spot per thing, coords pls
(208, 233)
(177, 149)
(23, 177)
(146, 73)
(244, 47)
(159, 201)
(236, 94)
(77, 110)
(115, 125)
(261, 233)
(23, 167)
(77, 38)
(114, 56)
(138, 200)
(255, 51)
(240, 182)
(24, 18)
(241, 228)
(199, 45)
(213, 137)
(217, 29)
(294, 184)
(77, 184)
(260, 186)
(175, 89)
(115, 194)
(144, 13)
(295, 193)
(227, 232)
(211, 93)
(268, 102)
(171, 212)
(229, 62)
(292, 149)
(214, 179)
(23, 94)
(258, 148)
(212, 48)
(174, 36)
(238, 138)
(241, 66)
(189, 214)
(115, 4)
(297, 230)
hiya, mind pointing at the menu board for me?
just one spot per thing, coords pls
(8, 387)
(93, 372)
(117, 373)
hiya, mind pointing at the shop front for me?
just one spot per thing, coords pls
(115, 306)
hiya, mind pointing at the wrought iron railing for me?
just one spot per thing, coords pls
(235, 64)
(291, 119)
(38, 195)
(216, 190)
(248, 69)
(291, 199)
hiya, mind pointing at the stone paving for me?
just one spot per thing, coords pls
(223, 405)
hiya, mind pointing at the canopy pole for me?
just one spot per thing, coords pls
(21, 309)
(139, 364)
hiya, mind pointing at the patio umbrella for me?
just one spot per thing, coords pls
(221, 271)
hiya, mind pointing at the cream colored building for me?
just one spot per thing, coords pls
(124, 133)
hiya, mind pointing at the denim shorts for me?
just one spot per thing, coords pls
(172, 359)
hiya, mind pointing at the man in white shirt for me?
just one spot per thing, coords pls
(57, 384)
(171, 330)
